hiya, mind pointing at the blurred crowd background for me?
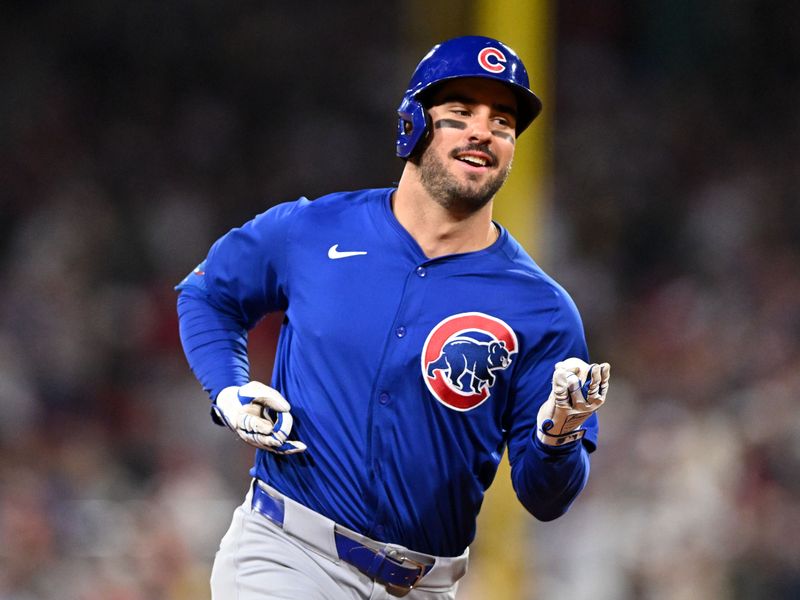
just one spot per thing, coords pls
(133, 134)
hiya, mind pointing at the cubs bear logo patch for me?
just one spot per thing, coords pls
(461, 355)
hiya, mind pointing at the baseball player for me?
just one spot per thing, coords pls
(420, 343)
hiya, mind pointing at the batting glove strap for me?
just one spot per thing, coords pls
(561, 440)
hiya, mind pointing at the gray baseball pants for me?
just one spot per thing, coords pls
(260, 560)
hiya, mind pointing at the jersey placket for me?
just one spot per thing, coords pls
(392, 380)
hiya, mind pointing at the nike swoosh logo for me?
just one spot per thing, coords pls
(334, 253)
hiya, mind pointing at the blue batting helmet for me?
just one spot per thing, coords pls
(467, 56)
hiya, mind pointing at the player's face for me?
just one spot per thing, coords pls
(469, 154)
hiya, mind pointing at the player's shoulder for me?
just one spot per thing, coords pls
(351, 200)
(535, 285)
(323, 209)
(331, 201)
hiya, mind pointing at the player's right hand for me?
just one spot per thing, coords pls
(259, 415)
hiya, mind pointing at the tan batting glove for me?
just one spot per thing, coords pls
(579, 389)
(259, 415)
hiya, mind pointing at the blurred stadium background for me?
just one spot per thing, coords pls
(664, 197)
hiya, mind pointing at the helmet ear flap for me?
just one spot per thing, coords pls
(413, 125)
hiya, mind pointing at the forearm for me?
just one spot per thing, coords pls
(547, 480)
(215, 343)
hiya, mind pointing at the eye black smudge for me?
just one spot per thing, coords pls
(450, 123)
(504, 135)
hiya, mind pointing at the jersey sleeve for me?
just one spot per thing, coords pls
(244, 277)
(546, 479)
(246, 270)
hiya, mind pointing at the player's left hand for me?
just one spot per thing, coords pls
(579, 389)
(259, 415)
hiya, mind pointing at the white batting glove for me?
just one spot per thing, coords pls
(259, 415)
(579, 389)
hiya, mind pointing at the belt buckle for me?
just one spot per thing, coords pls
(402, 560)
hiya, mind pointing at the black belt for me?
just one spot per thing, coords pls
(390, 568)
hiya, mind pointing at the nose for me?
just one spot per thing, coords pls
(480, 132)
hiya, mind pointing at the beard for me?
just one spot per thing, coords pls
(461, 197)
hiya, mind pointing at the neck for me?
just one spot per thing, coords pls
(440, 231)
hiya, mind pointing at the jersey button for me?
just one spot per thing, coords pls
(384, 398)
(421, 271)
(400, 331)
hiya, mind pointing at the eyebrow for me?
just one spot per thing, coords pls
(464, 99)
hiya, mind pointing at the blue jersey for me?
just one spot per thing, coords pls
(408, 376)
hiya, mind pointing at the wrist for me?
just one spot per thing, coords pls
(227, 404)
(559, 440)
(554, 451)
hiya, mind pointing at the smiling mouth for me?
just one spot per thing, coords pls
(475, 157)
(474, 161)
